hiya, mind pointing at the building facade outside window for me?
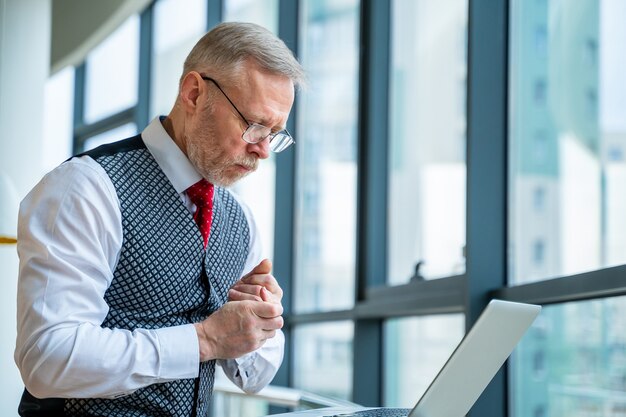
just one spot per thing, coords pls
(572, 362)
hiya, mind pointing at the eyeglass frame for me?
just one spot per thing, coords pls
(270, 136)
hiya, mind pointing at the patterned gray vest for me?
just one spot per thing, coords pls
(164, 277)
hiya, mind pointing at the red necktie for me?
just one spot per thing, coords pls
(201, 194)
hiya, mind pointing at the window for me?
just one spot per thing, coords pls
(580, 117)
(326, 155)
(416, 349)
(592, 51)
(426, 206)
(539, 411)
(178, 24)
(323, 358)
(539, 249)
(541, 40)
(113, 135)
(261, 12)
(541, 149)
(573, 360)
(578, 366)
(539, 92)
(112, 71)
(539, 199)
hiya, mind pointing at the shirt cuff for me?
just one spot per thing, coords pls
(179, 352)
(254, 371)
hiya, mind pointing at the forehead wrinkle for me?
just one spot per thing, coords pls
(256, 117)
(279, 122)
(273, 110)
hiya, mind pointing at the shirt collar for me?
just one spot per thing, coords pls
(169, 156)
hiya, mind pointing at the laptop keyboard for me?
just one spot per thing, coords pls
(378, 412)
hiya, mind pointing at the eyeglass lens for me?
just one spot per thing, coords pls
(280, 142)
(277, 142)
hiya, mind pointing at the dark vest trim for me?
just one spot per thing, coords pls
(31, 406)
(125, 145)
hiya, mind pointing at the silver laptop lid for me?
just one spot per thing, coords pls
(476, 359)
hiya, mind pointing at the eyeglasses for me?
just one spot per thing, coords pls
(255, 133)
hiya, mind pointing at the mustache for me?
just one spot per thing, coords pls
(247, 161)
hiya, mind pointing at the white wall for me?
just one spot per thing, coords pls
(24, 62)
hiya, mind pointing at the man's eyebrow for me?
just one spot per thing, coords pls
(263, 121)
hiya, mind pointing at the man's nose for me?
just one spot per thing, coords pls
(261, 149)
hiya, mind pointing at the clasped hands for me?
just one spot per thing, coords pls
(250, 317)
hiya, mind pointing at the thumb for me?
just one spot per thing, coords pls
(264, 267)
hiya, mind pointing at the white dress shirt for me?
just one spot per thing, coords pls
(69, 241)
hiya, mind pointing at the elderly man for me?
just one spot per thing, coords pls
(139, 270)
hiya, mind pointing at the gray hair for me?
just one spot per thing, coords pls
(228, 45)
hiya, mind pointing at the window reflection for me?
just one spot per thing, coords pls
(323, 358)
(567, 138)
(426, 208)
(416, 349)
(572, 362)
(112, 71)
(326, 155)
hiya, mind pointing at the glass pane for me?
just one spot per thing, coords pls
(567, 138)
(258, 190)
(416, 348)
(122, 132)
(58, 118)
(111, 73)
(261, 12)
(572, 362)
(178, 25)
(326, 152)
(426, 209)
(228, 400)
(323, 359)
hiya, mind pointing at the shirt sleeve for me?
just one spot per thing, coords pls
(69, 239)
(255, 370)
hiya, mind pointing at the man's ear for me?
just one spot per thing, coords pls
(190, 90)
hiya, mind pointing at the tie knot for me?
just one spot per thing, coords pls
(201, 193)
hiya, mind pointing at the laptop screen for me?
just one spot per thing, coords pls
(476, 359)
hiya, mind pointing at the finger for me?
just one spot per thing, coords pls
(267, 310)
(269, 297)
(264, 267)
(248, 288)
(271, 325)
(267, 281)
(235, 295)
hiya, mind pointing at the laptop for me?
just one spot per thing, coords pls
(466, 374)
